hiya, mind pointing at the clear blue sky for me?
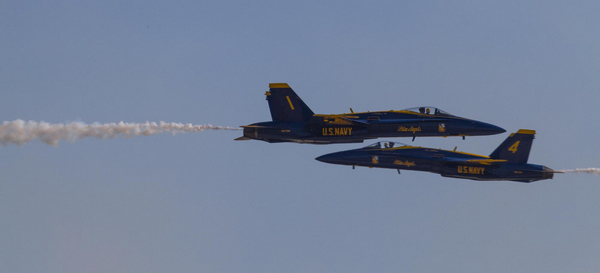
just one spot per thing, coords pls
(201, 202)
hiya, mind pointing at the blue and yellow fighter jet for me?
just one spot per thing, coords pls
(293, 121)
(507, 162)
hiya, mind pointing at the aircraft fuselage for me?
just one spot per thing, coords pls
(356, 127)
(443, 162)
(294, 121)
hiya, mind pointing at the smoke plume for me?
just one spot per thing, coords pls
(19, 132)
(595, 171)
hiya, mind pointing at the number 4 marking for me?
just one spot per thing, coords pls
(514, 147)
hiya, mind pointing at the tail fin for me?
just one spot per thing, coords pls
(285, 105)
(515, 149)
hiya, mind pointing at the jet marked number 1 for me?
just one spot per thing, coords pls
(290, 102)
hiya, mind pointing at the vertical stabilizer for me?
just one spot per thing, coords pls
(516, 148)
(285, 105)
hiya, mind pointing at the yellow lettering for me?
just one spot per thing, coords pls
(471, 170)
(406, 163)
(514, 147)
(343, 131)
(411, 129)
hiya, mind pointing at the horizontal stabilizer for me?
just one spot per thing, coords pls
(548, 170)
(243, 138)
(254, 126)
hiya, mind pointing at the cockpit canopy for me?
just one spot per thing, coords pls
(429, 110)
(385, 144)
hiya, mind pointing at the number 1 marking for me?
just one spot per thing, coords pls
(290, 102)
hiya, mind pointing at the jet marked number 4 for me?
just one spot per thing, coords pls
(514, 147)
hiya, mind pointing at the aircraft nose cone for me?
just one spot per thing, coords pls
(496, 130)
(351, 158)
(342, 158)
(328, 158)
(490, 129)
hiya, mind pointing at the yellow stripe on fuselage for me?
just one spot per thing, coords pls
(486, 161)
(377, 113)
(402, 147)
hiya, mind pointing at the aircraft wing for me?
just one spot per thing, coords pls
(341, 120)
(354, 122)
(254, 126)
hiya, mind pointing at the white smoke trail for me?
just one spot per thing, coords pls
(595, 171)
(19, 132)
